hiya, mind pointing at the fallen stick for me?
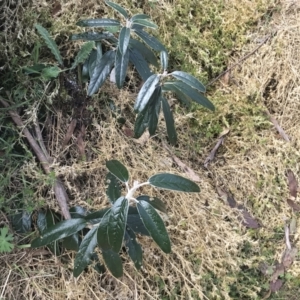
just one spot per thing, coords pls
(59, 190)
(240, 61)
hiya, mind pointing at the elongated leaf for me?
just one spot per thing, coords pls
(169, 121)
(86, 249)
(117, 223)
(101, 71)
(47, 219)
(118, 8)
(169, 86)
(113, 262)
(134, 249)
(95, 58)
(189, 80)
(155, 202)
(148, 55)
(121, 65)
(50, 42)
(96, 216)
(141, 123)
(98, 23)
(102, 235)
(151, 41)
(154, 110)
(113, 190)
(194, 95)
(154, 225)
(140, 64)
(124, 38)
(145, 23)
(21, 222)
(139, 17)
(134, 221)
(93, 36)
(83, 54)
(59, 231)
(173, 182)
(164, 60)
(118, 170)
(50, 72)
(77, 212)
(146, 92)
(85, 70)
(71, 242)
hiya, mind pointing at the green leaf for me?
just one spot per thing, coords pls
(140, 64)
(134, 249)
(154, 110)
(151, 41)
(141, 123)
(164, 60)
(113, 190)
(169, 121)
(85, 70)
(85, 251)
(102, 235)
(46, 220)
(77, 212)
(117, 223)
(139, 17)
(134, 221)
(98, 23)
(83, 54)
(94, 36)
(145, 23)
(95, 58)
(113, 262)
(173, 182)
(50, 72)
(59, 231)
(118, 170)
(169, 86)
(154, 201)
(5, 240)
(121, 65)
(50, 42)
(96, 216)
(118, 8)
(154, 225)
(101, 71)
(21, 222)
(148, 55)
(71, 242)
(194, 95)
(146, 92)
(35, 69)
(124, 38)
(189, 80)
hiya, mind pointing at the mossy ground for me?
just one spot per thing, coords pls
(213, 255)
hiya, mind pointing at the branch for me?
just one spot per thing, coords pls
(43, 157)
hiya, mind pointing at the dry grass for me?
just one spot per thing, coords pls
(213, 255)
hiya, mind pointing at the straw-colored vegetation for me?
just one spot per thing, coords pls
(213, 255)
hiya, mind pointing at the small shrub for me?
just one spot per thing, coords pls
(112, 227)
(124, 44)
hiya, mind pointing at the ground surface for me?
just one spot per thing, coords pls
(213, 255)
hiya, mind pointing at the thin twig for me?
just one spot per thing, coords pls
(240, 61)
(277, 126)
(59, 190)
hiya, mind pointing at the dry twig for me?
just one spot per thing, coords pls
(43, 157)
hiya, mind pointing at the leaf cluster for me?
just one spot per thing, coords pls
(127, 43)
(114, 228)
